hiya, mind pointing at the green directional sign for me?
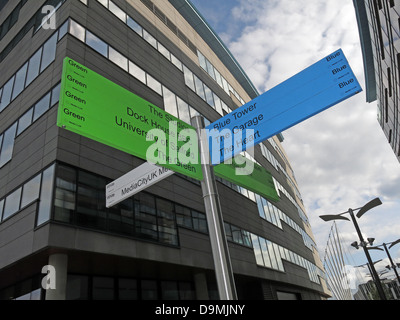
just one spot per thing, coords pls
(258, 180)
(97, 108)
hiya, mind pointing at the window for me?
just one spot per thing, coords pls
(183, 216)
(103, 288)
(149, 290)
(189, 78)
(104, 2)
(55, 94)
(199, 88)
(77, 30)
(266, 210)
(218, 78)
(41, 107)
(166, 222)
(154, 84)
(225, 85)
(8, 145)
(6, 96)
(64, 201)
(1, 209)
(236, 235)
(46, 196)
(202, 60)
(183, 110)
(170, 102)
(127, 289)
(91, 210)
(210, 69)
(145, 216)
(49, 52)
(228, 231)
(169, 290)
(30, 191)
(121, 219)
(34, 66)
(265, 253)
(209, 96)
(137, 72)
(25, 121)
(257, 250)
(274, 261)
(278, 257)
(199, 221)
(62, 31)
(117, 11)
(19, 84)
(176, 62)
(96, 44)
(150, 39)
(246, 238)
(11, 205)
(218, 104)
(118, 58)
(134, 26)
(186, 291)
(77, 287)
(164, 51)
(260, 207)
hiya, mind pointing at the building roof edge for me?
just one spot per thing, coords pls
(199, 23)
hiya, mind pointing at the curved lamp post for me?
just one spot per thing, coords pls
(372, 204)
(385, 246)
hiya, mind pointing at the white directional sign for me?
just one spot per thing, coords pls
(135, 181)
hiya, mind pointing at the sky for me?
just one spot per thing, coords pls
(340, 157)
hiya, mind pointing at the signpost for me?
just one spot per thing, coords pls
(95, 107)
(311, 91)
(135, 181)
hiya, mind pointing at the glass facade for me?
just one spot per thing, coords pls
(384, 27)
(80, 200)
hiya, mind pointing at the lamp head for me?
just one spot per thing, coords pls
(331, 217)
(355, 245)
(388, 267)
(394, 243)
(371, 241)
(372, 204)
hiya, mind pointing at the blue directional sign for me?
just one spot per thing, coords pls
(315, 89)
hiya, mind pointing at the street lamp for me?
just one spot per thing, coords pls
(361, 211)
(393, 265)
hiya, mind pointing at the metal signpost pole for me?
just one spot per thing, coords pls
(391, 262)
(374, 273)
(219, 245)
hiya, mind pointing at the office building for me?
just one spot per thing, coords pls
(156, 244)
(379, 27)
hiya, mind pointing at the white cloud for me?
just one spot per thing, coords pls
(340, 157)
